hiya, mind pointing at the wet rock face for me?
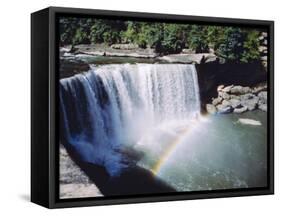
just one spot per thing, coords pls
(240, 109)
(238, 99)
(70, 67)
(74, 183)
(211, 109)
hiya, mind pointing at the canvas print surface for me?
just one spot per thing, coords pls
(157, 108)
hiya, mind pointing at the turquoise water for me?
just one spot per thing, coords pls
(217, 152)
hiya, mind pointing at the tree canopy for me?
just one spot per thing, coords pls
(231, 43)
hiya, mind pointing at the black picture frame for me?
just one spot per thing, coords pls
(44, 110)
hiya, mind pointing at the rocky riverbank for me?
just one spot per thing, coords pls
(76, 59)
(238, 99)
(74, 183)
(133, 51)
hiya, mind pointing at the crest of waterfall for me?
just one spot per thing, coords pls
(112, 106)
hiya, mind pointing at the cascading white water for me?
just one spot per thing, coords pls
(112, 106)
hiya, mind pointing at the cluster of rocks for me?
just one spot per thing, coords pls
(263, 48)
(238, 99)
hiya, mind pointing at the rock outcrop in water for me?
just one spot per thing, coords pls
(238, 99)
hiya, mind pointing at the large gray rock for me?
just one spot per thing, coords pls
(258, 89)
(235, 97)
(238, 90)
(222, 109)
(251, 104)
(263, 107)
(246, 90)
(247, 96)
(262, 48)
(240, 109)
(226, 103)
(227, 88)
(211, 109)
(217, 101)
(234, 102)
(220, 88)
(264, 34)
(198, 58)
(224, 95)
(263, 97)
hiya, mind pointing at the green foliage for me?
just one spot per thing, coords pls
(135, 33)
(106, 31)
(198, 39)
(231, 43)
(251, 47)
(173, 40)
(75, 30)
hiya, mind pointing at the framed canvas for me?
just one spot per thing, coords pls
(138, 107)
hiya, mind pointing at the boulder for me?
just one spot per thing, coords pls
(222, 109)
(217, 101)
(227, 89)
(246, 90)
(264, 34)
(236, 90)
(224, 95)
(262, 48)
(234, 103)
(251, 104)
(240, 109)
(258, 89)
(198, 58)
(263, 107)
(220, 87)
(247, 96)
(263, 96)
(235, 97)
(226, 103)
(211, 109)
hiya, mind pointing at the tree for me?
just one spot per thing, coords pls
(107, 31)
(251, 47)
(231, 45)
(197, 39)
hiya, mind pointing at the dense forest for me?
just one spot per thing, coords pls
(231, 43)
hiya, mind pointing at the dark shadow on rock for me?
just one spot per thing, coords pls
(132, 181)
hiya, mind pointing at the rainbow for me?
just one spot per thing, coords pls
(173, 145)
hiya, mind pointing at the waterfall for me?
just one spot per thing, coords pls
(113, 106)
